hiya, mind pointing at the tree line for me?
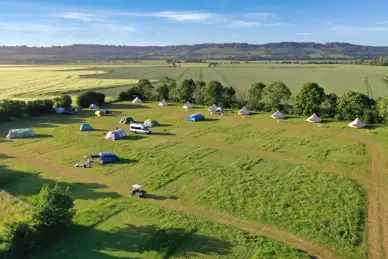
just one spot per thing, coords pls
(197, 92)
(312, 98)
(52, 211)
(14, 109)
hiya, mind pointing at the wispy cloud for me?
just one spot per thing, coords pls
(258, 15)
(302, 33)
(357, 29)
(77, 16)
(381, 23)
(184, 16)
(243, 24)
(250, 24)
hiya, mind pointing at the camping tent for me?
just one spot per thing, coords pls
(151, 123)
(60, 110)
(137, 100)
(314, 118)
(163, 103)
(116, 134)
(99, 113)
(188, 106)
(127, 120)
(20, 133)
(277, 115)
(243, 111)
(357, 123)
(212, 108)
(94, 107)
(86, 127)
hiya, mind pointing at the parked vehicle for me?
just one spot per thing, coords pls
(139, 128)
(196, 117)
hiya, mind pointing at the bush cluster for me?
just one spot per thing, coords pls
(52, 212)
(86, 99)
(10, 109)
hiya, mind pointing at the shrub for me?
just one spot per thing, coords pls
(63, 101)
(352, 105)
(14, 109)
(18, 240)
(39, 107)
(91, 97)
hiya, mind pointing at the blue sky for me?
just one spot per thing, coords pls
(170, 22)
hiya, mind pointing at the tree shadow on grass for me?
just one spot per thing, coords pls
(127, 161)
(160, 198)
(19, 183)
(164, 125)
(163, 134)
(133, 241)
(125, 106)
(44, 136)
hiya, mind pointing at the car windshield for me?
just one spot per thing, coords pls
(145, 128)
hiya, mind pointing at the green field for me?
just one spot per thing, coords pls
(230, 186)
(35, 81)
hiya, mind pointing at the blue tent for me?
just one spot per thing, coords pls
(196, 117)
(86, 127)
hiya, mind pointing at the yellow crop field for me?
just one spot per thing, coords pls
(31, 81)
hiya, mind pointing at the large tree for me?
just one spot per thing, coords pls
(309, 99)
(329, 106)
(63, 101)
(144, 89)
(276, 93)
(213, 93)
(255, 94)
(184, 92)
(382, 109)
(352, 105)
(162, 92)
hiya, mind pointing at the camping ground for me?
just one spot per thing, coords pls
(229, 186)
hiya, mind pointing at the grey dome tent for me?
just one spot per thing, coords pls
(127, 120)
(116, 134)
(151, 123)
(20, 133)
(86, 127)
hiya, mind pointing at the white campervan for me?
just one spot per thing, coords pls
(139, 128)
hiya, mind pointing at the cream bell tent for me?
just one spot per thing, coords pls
(243, 111)
(277, 115)
(137, 100)
(357, 123)
(163, 103)
(188, 106)
(314, 118)
(212, 108)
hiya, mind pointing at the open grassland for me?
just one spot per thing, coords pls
(38, 81)
(309, 180)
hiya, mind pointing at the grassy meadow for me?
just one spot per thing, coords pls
(306, 179)
(42, 81)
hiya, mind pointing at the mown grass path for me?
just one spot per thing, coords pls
(80, 175)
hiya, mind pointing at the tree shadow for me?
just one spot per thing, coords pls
(19, 183)
(160, 198)
(163, 134)
(133, 242)
(127, 161)
(209, 120)
(133, 137)
(44, 136)
(125, 106)
(164, 125)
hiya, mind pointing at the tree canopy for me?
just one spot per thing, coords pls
(276, 93)
(255, 94)
(352, 105)
(309, 99)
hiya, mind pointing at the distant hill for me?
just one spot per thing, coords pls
(206, 51)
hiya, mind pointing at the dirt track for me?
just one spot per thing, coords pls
(319, 251)
(377, 206)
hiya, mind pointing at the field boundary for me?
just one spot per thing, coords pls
(272, 232)
(368, 87)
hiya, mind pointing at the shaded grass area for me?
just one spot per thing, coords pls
(219, 165)
(127, 229)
